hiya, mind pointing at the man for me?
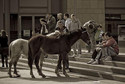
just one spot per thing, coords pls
(60, 29)
(98, 34)
(68, 20)
(75, 24)
(96, 55)
(51, 22)
(60, 18)
(111, 47)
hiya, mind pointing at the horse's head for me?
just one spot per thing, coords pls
(85, 36)
(91, 26)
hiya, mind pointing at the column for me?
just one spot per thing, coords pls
(7, 19)
(1, 13)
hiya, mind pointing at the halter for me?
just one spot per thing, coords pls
(84, 31)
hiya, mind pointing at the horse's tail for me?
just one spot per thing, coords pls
(29, 53)
(10, 47)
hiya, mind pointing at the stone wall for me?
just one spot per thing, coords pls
(88, 10)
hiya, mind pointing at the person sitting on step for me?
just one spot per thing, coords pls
(106, 49)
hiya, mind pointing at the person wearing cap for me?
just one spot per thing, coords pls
(98, 34)
(51, 22)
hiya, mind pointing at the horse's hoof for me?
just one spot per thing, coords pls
(15, 76)
(10, 76)
(43, 76)
(58, 75)
(66, 75)
(33, 76)
(18, 75)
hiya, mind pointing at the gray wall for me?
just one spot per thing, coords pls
(115, 6)
(88, 10)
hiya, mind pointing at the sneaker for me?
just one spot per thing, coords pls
(74, 55)
(60, 70)
(108, 58)
(96, 62)
(91, 61)
(67, 70)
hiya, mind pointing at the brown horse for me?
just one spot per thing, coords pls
(62, 46)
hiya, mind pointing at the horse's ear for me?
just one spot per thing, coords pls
(83, 29)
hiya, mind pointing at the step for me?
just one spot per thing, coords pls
(85, 71)
(110, 63)
(91, 72)
(118, 70)
(105, 75)
(24, 66)
(120, 57)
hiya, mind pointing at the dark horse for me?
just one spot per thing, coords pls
(62, 46)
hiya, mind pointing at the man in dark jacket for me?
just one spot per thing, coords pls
(51, 22)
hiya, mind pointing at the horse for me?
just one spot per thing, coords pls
(16, 48)
(91, 27)
(62, 46)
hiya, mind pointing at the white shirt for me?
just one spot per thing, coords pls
(67, 23)
(75, 24)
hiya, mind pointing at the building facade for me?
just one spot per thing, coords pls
(20, 17)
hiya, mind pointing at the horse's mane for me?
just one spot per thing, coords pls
(71, 33)
(66, 35)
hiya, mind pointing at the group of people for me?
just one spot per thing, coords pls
(64, 24)
(106, 46)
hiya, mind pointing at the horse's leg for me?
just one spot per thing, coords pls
(15, 63)
(12, 58)
(10, 66)
(65, 57)
(41, 62)
(37, 64)
(58, 66)
(30, 63)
